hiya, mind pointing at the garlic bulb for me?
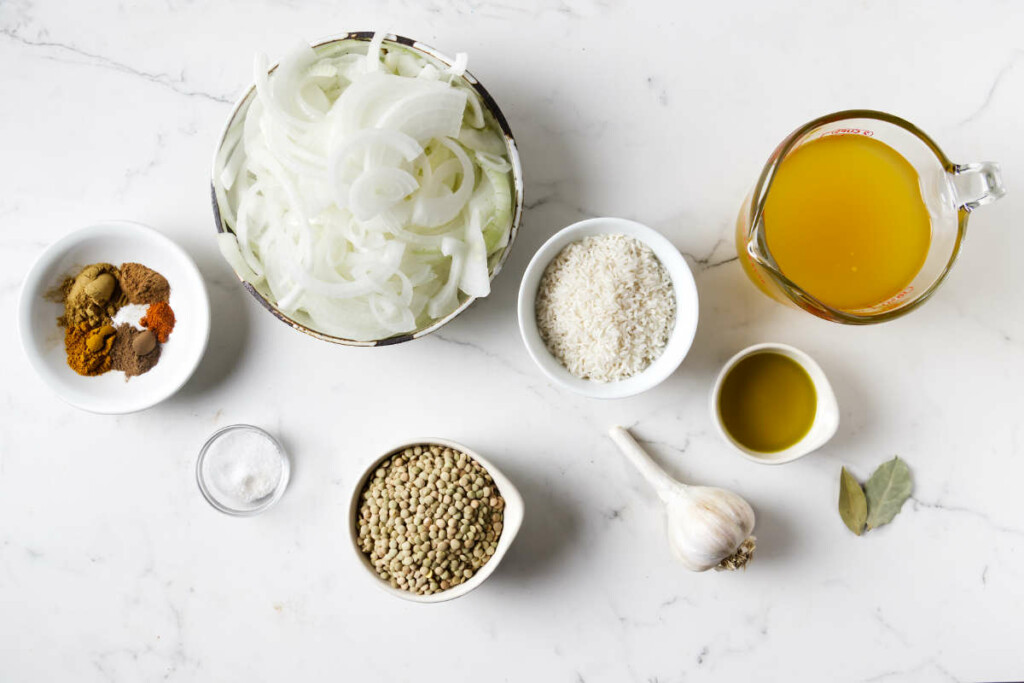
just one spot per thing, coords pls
(707, 527)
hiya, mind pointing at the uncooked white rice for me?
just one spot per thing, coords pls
(605, 307)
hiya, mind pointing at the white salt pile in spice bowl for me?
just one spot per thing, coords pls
(242, 470)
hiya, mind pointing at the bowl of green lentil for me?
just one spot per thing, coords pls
(430, 520)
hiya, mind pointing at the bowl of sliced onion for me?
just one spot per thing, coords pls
(366, 189)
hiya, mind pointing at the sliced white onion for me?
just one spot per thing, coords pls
(486, 140)
(289, 303)
(228, 245)
(429, 73)
(474, 110)
(333, 290)
(322, 69)
(493, 162)
(406, 65)
(458, 67)
(312, 100)
(230, 170)
(230, 157)
(447, 300)
(434, 211)
(378, 189)
(475, 280)
(273, 107)
(292, 75)
(363, 103)
(373, 139)
(353, 202)
(427, 115)
(497, 231)
(392, 316)
(245, 235)
(370, 147)
(373, 52)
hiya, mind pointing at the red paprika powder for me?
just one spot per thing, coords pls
(159, 318)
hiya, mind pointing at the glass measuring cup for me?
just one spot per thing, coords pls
(950, 193)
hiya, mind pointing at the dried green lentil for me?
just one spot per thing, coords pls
(429, 517)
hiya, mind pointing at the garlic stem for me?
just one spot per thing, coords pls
(656, 476)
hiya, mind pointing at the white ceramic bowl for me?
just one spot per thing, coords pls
(114, 242)
(826, 417)
(513, 519)
(686, 308)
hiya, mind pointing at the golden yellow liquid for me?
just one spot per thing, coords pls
(767, 402)
(845, 221)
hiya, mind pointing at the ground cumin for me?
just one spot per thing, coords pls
(124, 356)
(159, 318)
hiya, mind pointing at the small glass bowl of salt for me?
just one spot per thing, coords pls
(242, 470)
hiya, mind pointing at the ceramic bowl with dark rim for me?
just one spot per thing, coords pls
(491, 110)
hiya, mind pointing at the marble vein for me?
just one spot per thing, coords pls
(996, 83)
(929, 665)
(483, 351)
(961, 511)
(176, 84)
(898, 634)
(707, 261)
(666, 444)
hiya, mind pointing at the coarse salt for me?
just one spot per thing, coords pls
(130, 314)
(243, 466)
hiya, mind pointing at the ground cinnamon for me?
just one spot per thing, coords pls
(159, 318)
(143, 285)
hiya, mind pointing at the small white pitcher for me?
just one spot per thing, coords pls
(826, 416)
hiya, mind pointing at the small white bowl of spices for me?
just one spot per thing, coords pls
(608, 308)
(91, 305)
(430, 520)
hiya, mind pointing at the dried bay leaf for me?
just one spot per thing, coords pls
(853, 506)
(886, 491)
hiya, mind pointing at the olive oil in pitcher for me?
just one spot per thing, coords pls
(767, 402)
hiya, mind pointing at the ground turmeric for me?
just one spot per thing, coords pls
(88, 349)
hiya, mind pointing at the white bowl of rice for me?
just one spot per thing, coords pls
(608, 308)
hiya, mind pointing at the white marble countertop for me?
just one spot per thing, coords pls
(113, 567)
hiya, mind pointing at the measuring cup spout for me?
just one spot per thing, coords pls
(757, 248)
(754, 252)
(977, 184)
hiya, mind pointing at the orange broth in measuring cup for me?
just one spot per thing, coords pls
(845, 221)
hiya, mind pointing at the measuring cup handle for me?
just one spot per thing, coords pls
(978, 184)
